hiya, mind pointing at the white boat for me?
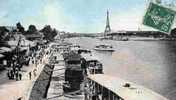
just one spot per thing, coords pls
(104, 47)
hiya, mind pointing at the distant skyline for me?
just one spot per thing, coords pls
(74, 15)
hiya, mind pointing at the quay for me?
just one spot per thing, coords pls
(20, 90)
(77, 75)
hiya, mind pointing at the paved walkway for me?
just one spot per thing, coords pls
(13, 90)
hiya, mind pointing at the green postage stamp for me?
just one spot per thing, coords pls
(159, 17)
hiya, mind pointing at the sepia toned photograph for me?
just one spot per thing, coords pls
(87, 49)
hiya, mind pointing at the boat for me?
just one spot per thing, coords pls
(79, 50)
(74, 73)
(125, 39)
(93, 65)
(73, 61)
(104, 47)
(67, 77)
(106, 87)
(60, 47)
(75, 47)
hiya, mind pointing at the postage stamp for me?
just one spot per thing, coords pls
(159, 17)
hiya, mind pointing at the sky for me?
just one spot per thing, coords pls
(85, 16)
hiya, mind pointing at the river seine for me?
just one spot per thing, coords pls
(148, 63)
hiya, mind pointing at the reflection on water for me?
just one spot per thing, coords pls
(148, 63)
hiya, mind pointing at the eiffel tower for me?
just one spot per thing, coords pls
(107, 28)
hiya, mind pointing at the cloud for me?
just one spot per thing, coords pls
(130, 20)
(125, 21)
(55, 16)
(50, 14)
(4, 18)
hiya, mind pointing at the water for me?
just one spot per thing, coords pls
(148, 63)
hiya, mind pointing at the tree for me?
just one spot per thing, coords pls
(3, 33)
(54, 32)
(20, 28)
(49, 33)
(31, 29)
(47, 29)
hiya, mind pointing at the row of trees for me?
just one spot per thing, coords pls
(48, 32)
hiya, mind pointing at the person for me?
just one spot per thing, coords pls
(34, 72)
(8, 74)
(36, 63)
(95, 97)
(14, 69)
(32, 61)
(20, 76)
(83, 65)
(40, 60)
(30, 75)
(11, 74)
(16, 75)
(20, 66)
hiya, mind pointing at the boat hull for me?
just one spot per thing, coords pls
(98, 49)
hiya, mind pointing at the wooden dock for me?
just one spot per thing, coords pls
(55, 91)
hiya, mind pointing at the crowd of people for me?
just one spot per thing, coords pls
(15, 72)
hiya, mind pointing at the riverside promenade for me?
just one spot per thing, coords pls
(20, 90)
